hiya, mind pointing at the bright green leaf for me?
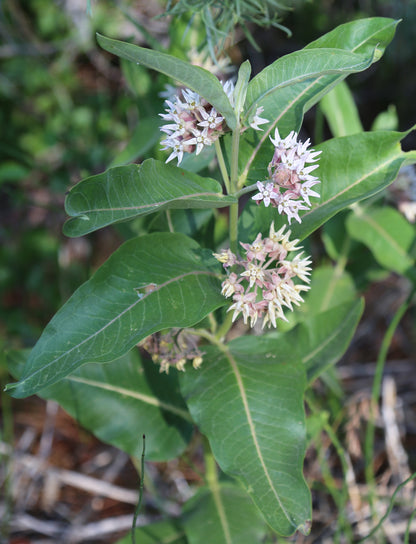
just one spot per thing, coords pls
(222, 514)
(295, 74)
(360, 36)
(288, 95)
(387, 235)
(125, 192)
(341, 112)
(353, 168)
(122, 400)
(157, 281)
(193, 77)
(258, 432)
(329, 287)
(329, 334)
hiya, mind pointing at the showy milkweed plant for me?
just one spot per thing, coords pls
(144, 347)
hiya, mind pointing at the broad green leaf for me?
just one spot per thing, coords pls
(329, 287)
(329, 334)
(122, 400)
(150, 283)
(360, 264)
(366, 38)
(254, 219)
(341, 112)
(195, 78)
(386, 233)
(360, 36)
(289, 76)
(258, 432)
(189, 222)
(353, 168)
(240, 92)
(222, 513)
(125, 192)
(318, 342)
(161, 532)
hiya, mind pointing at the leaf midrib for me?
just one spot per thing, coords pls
(253, 434)
(147, 399)
(218, 196)
(157, 288)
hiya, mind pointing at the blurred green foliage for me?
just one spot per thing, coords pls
(65, 113)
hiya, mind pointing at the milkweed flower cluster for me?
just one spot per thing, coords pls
(193, 123)
(269, 278)
(290, 182)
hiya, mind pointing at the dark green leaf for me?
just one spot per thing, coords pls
(299, 76)
(195, 78)
(258, 432)
(386, 233)
(158, 281)
(329, 287)
(290, 99)
(353, 168)
(318, 342)
(122, 400)
(125, 192)
(222, 514)
(341, 112)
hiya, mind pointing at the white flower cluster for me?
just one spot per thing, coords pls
(290, 182)
(266, 284)
(193, 123)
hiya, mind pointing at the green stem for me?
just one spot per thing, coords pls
(233, 219)
(169, 220)
(213, 483)
(222, 165)
(234, 158)
(211, 474)
(245, 190)
(375, 394)
(233, 226)
(225, 327)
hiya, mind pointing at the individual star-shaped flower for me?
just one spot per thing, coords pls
(257, 120)
(266, 193)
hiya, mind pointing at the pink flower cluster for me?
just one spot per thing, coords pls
(266, 284)
(193, 123)
(290, 182)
